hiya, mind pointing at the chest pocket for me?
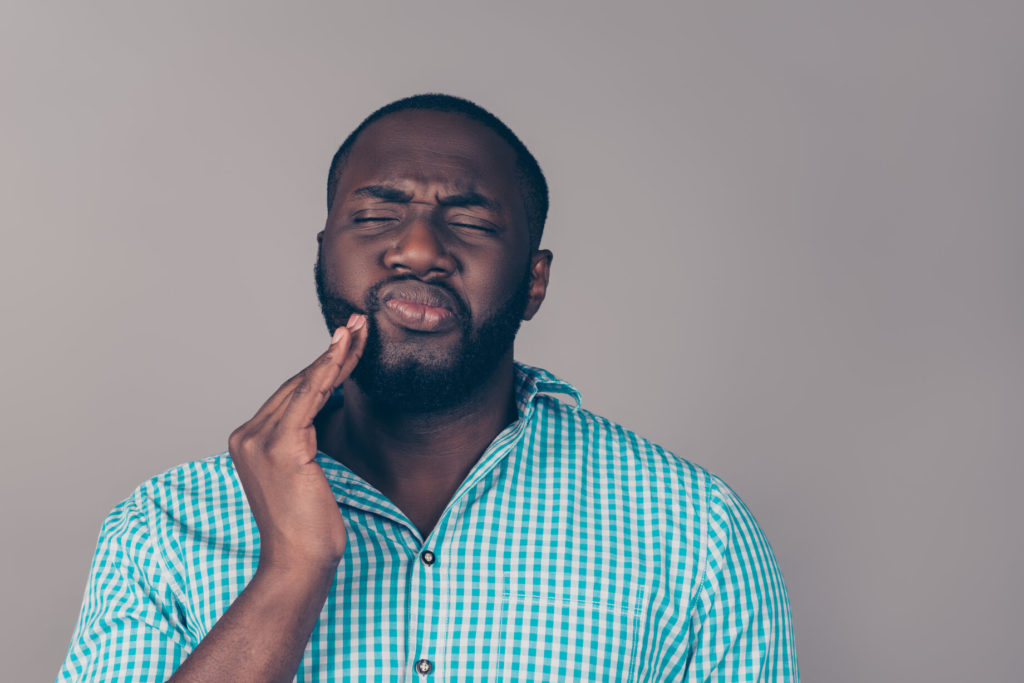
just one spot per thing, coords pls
(560, 637)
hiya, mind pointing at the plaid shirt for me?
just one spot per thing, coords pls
(574, 550)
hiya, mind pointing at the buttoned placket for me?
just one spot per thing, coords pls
(425, 609)
(428, 588)
(427, 577)
(427, 584)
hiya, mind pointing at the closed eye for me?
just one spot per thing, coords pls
(373, 222)
(474, 226)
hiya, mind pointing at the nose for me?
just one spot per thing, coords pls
(420, 251)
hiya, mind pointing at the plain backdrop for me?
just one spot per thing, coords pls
(789, 245)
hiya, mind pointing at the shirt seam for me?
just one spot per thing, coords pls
(705, 539)
(163, 566)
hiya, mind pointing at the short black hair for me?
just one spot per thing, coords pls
(532, 183)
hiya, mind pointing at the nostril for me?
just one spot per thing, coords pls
(419, 251)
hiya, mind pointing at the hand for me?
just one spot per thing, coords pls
(300, 526)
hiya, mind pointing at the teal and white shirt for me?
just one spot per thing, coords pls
(574, 551)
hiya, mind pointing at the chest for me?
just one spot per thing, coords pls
(516, 601)
(497, 592)
(542, 580)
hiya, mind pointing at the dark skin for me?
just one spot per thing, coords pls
(453, 213)
(432, 195)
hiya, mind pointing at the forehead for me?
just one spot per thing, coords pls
(437, 148)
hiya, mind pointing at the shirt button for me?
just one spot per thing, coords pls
(424, 666)
(427, 557)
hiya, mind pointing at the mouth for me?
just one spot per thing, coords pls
(419, 307)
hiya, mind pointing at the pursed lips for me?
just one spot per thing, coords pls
(420, 307)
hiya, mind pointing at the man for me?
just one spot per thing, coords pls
(415, 506)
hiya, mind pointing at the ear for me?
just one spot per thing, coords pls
(540, 271)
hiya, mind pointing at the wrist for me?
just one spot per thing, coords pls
(295, 574)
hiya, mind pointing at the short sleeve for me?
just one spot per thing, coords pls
(130, 628)
(742, 625)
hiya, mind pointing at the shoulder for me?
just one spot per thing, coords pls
(190, 497)
(564, 429)
(698, 519)
(190, 484)
(594, 441)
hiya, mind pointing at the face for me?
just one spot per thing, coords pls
(428, 236)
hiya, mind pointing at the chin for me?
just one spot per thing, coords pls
(428, 352)
(402, 362)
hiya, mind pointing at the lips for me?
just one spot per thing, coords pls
(419, 307)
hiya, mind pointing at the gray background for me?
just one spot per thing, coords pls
(788, 245)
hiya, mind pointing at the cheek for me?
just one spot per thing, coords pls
(349, 268)
(491, 290)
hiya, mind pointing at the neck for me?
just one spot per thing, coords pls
(418, 460)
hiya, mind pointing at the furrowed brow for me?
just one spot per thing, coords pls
(470, 199)
(384, 192)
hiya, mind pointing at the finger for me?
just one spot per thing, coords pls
(360, 333)
(321, 378)
(280, 398)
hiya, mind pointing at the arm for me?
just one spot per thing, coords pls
(130, 628)
(743, 629)
(262, 636)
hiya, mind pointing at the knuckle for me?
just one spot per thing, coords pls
(249, 443)
(237, 437)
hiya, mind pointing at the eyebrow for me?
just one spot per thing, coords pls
(389, 193)
(385, 192)
(470, 199)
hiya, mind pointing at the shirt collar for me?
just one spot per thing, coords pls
(531, 382)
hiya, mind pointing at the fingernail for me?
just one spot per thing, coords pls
(358, 323)
(350, 319)
(337, 335)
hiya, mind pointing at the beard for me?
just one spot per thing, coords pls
(436, 380)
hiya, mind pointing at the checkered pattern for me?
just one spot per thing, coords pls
(574, 550)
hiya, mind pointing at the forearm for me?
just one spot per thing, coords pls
(262, 636)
